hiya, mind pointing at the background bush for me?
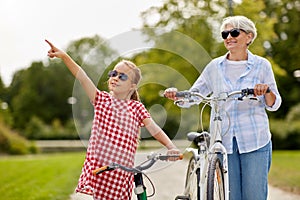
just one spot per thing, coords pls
(36, 129)
(286, 134)
(12, 143)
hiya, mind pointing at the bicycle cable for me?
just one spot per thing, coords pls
(201, 116)
(150, 181)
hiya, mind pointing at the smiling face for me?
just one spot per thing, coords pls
(239, 43)
(122, 89)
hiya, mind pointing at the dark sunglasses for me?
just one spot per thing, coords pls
(233, 32)
(115, 73)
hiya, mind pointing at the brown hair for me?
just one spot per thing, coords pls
(136, 79)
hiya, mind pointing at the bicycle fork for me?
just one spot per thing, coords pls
(218, 148)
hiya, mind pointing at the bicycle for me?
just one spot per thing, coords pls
(207, 173)
(140, 189)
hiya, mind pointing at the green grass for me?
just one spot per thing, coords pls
(285, 171)
(54, 176)
(38, 177)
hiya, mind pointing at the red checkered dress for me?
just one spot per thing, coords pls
(114, 138)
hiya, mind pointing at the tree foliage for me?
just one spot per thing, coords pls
(43, 90)
(186, 36)
(285, 47)
(276, 22)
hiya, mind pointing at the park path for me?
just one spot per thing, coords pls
(169, 178)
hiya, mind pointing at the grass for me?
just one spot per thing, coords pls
(54, 176)
(285, 173)
(38, 177)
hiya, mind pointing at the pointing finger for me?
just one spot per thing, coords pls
(50, 44)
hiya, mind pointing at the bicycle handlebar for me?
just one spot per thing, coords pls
(187, 94)
(194, 97)
(152, 158)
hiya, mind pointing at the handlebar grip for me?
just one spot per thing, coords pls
(102, 169)
(248, 91)
(251, 91)
(166, 157)
(180, 156)
(183, 94)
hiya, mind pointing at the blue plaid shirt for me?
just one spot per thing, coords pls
(248, 119)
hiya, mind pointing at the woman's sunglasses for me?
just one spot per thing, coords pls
(115, 73)
(233, 32)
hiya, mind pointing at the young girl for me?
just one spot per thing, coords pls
(118, 115)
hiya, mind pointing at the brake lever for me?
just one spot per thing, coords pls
(182, 103)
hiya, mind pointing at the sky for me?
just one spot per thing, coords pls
(24, 25)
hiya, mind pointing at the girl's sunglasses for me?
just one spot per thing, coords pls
(233, 32)
(115, 73)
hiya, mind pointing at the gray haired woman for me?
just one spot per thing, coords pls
(248, 140)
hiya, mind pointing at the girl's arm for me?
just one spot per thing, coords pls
(75, 69)
(160, 136)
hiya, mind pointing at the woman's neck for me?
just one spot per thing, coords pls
(237, 56)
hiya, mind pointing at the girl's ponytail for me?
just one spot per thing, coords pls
(137, 78)
(135, 95)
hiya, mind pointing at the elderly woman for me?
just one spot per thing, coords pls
(248, 140)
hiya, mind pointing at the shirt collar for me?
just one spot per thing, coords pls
(250, 60)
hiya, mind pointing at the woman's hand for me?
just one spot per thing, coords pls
(261, 89)
(170, 93)
(55, 52)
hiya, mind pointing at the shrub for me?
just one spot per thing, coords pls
(13, 143)
(294, 113)
(286, 134)
(36, 129)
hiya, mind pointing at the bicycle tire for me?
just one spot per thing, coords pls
(192, 181)
(215, 181)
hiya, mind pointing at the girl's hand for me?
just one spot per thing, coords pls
(55, 52)
(173, 151)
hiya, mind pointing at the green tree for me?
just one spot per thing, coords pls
(46, 90)
(42, 92)
(285, 46)
(200, 21)
(2, 89)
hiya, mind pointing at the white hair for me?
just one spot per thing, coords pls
(240, 22)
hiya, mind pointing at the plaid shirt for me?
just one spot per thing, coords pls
(248, 119)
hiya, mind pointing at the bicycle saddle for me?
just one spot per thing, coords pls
(198, 137)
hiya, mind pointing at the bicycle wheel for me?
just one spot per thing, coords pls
(215, 181)
(192, 181)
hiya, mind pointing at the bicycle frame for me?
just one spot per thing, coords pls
(140, 189)
(218, 148)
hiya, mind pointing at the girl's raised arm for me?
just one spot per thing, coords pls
(75, 69)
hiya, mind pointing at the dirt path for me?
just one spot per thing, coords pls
(168, 179)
